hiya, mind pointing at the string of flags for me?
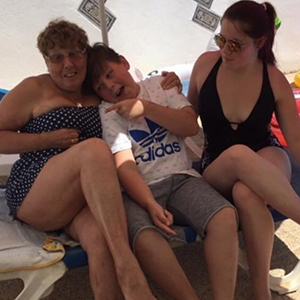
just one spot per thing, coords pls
(202, 15)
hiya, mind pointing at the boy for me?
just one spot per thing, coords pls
(145, 127)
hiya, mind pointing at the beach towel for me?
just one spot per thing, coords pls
(23, 247)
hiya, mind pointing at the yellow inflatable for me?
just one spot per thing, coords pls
(297, 80)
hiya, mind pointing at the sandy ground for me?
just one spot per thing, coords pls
(75, 284)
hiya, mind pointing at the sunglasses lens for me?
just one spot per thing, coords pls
(234, 46)
(220, 41)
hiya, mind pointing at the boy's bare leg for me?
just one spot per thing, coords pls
(157, 258)
(221, 252)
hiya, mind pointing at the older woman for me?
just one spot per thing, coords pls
(66, 176)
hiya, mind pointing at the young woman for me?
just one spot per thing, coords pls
(235, 91)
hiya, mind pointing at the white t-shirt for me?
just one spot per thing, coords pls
(158, 153)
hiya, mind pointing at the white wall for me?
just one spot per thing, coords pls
(152, 34)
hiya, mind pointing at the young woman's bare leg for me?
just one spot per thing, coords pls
(158, 259)
(221, 252)
(258, 232)
(86, 173)
(254, 179)
(239, 163)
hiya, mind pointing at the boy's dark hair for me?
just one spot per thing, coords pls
(255, 20)
(98, 57)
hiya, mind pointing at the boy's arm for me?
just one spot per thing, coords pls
(182, 122)
(138, 190)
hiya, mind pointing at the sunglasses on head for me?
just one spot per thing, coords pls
(233, 45)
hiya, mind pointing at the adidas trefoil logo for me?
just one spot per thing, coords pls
(153, 142)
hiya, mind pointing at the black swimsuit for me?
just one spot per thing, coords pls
(254, 132)
(27, 168)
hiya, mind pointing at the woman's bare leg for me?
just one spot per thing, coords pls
(102, 272)
(269, 182)
(86, 173)
(221, 252)
(254, 179)
(157, 258)
(258, 231)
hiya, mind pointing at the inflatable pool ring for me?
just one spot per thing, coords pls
(183, 71)
(297, 80)
(274, 124)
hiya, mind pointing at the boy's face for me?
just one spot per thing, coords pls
(116, 83)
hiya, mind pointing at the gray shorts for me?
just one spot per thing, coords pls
(191, 200)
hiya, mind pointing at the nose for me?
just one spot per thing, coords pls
(226, 49)
(67, 61)
(109, 84)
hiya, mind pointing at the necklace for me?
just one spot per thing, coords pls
(78, 104)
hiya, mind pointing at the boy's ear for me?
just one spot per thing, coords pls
(125, 62)
(260, 42)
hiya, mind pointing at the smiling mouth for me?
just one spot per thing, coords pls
(120, 91)
(70, 75)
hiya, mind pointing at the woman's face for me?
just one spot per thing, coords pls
(67, 67)
(237, 49)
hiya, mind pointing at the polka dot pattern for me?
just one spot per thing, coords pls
(27, 168)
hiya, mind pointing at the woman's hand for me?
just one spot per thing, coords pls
(162, 218)
(61, 138)
(171, 80)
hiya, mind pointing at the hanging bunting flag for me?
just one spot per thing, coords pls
(90, 9)
(205, 3)
(206, 18)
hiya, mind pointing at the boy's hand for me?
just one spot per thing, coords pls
(161, 218)
(129, 108)
(171, 80)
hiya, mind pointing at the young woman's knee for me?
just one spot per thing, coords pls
(244, 198)
(241, 191)
(240, 158)
(237, 153)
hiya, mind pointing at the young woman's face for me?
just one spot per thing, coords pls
(67, 67)
(237, 49)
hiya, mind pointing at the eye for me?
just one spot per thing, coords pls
(109, 74)
(237, 46)
(56, 58)
(72, 54)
